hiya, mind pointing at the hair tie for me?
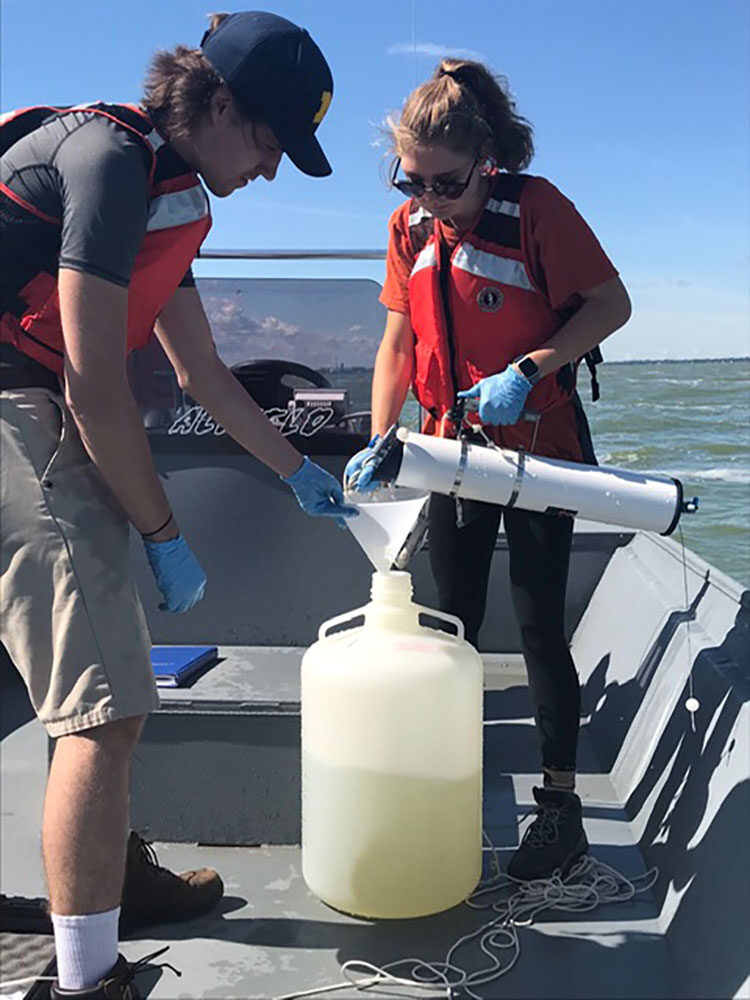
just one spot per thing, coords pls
(454, 74)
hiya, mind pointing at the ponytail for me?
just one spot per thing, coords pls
(463, 106)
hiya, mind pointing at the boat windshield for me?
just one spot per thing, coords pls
(304, 348)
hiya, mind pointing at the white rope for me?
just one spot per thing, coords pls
(23, 982)
(589, 884)
(692, 704)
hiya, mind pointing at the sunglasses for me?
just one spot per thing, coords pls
(450, 190)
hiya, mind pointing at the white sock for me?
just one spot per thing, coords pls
(86, 948)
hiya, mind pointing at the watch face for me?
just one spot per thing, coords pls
(529, 368)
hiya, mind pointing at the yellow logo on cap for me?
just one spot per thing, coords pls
(325, 101)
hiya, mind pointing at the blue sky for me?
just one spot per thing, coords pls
(639, 107)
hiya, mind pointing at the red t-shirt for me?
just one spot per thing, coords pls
(563, 254)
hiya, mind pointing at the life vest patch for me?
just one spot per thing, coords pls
(490, 299)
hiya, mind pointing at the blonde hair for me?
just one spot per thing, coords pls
(464, 107)
(180, 86)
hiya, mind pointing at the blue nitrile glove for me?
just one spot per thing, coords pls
(501, 396)
(178, 573)
(357, 475)
(318, 492)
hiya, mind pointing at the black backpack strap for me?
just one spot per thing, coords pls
(583, 431)
(421, 227)
(500, 222)
(17, 125)
(592, 359)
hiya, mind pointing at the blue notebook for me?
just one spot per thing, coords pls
(174, 665)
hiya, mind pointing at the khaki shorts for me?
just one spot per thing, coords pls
(70, 616)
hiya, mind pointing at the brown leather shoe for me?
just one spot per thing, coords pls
(154, 895)
(151, 895)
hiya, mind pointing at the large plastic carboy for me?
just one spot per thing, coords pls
(391, 758)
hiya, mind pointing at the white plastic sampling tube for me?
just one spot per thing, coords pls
(511, 478)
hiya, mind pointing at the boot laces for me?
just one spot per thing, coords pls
(545, 829)
(147, 856)
(134, 968)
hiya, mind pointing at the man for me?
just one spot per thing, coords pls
(102, 213)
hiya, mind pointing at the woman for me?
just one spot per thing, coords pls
(495, 288)
(102, 210)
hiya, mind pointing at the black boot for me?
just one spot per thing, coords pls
(117, 984)
(554, 841)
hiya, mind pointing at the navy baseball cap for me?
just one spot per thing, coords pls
(276, 73)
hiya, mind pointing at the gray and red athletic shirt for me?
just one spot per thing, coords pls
(94, 188)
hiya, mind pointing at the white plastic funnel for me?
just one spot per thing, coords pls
(384, 522)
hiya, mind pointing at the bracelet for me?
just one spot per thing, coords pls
(148, 534)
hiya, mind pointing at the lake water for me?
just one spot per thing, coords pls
(691, 420)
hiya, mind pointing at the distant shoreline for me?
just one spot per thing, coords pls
(338, 368)
(673, 361)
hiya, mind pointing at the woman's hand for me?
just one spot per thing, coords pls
(358, 474)
(501, 397)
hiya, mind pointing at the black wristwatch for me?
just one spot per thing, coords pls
(528, 368)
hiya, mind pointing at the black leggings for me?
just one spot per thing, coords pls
(539, 550)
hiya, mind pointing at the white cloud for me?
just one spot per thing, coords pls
(273, 325)
(432, 51)
(242, 335)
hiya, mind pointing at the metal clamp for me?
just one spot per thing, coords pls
(461, 467)
(520, 470)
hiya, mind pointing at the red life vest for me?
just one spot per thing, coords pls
(179, 219)
(475, 310)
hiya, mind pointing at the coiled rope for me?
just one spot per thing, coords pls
(589, 884)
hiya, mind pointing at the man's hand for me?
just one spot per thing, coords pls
(178, 574)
